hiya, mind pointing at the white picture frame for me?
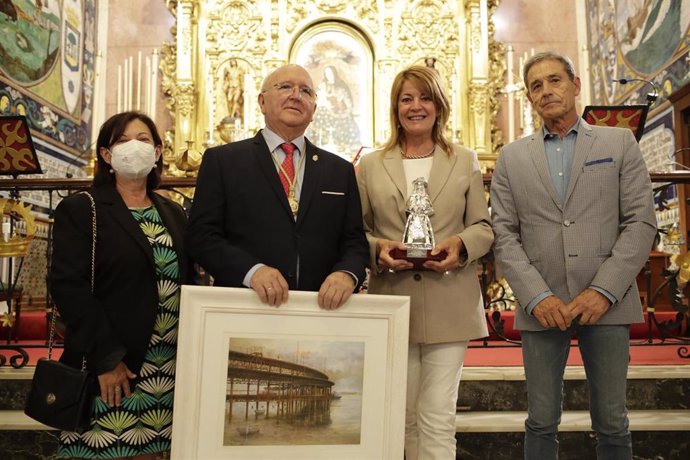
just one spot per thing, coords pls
(211, 316)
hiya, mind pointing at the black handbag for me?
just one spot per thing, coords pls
(61, 396)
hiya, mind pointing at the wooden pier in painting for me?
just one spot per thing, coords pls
(277, 388)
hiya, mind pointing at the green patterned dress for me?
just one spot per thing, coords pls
(143, 422)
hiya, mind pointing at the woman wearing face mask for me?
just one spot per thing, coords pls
(126, 329)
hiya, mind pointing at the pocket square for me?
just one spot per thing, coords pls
(325, 192)
(599, 161)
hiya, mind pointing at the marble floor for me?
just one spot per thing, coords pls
(482, 434)
(509, 421)
(575, 372)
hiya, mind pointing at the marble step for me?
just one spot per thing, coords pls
(473, 422)
(573, 445)
(514, 421)
(656, 435)
(503, 389)
(489, 389)
(18, 420)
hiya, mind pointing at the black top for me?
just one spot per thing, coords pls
(115, 322)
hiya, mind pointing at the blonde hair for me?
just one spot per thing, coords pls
(428, 81)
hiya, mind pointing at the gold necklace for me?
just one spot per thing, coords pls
(416, 157)
(292, 184)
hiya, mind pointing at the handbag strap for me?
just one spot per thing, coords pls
(93, 277)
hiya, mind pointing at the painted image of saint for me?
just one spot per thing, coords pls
(335, 127)
(650, 31)
(233, 86)
(31, 32)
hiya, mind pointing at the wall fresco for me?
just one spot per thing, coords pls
(643, 39)
(47, 68)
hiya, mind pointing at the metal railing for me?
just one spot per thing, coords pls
(658, 332)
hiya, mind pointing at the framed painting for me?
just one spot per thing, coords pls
(339, 60)
(295, 382)
(632, 117)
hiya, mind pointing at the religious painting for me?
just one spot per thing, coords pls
(295, 382)
(47, 68)
(233, 99)
(637, 39)
(287, 392)
(649, 31)
(340, 61)
(30, 49)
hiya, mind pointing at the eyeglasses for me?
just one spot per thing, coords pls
(287, 88)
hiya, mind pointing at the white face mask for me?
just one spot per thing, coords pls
(133, 159)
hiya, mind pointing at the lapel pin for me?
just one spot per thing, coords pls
(315, 158)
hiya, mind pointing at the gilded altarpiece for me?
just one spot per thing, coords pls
(213, 72)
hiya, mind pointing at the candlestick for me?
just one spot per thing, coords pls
(454, 106)
(211, 103)
(139, 80)
(130, 92)
(6, 231)
(118, 93)
(154, 84)
(511, 94)
(248, 100)
(147, 88)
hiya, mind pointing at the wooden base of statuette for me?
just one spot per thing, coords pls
(418, 256)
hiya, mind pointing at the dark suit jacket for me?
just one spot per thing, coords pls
(115, 322)
(241, 217)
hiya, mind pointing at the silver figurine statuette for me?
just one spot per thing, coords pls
(418, 235)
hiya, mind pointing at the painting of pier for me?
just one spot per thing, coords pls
(293, 392)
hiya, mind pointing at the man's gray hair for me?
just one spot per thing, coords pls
(545, 55)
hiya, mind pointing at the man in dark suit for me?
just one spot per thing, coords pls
(276, 213)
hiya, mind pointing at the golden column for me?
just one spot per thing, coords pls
(479, 135)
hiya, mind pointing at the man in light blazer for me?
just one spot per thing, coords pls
(273, 224)
(573, 216)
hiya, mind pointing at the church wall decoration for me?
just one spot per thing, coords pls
(339, 60)
(647, 40)
(47, 60)
(223, 49)
(635, 39)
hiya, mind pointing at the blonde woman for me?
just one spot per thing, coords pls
(446, 301)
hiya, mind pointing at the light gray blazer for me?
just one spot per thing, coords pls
(600, 236)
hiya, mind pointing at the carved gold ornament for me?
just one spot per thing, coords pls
(261, 36)
(16, 245)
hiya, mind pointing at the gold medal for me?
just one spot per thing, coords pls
(294, 204)
(292, 182)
